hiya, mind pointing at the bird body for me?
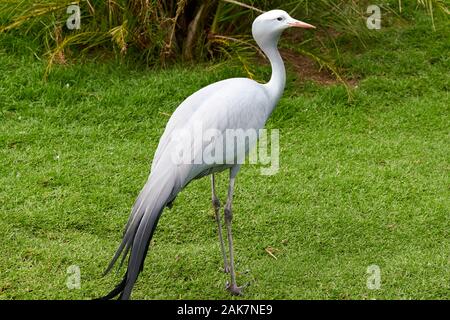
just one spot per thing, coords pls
(231, 104)
(195, 144)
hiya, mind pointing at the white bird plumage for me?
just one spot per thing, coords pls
(237, 103)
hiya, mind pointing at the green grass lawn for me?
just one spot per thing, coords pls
(360, 183)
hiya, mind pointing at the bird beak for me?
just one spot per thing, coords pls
(300, 24)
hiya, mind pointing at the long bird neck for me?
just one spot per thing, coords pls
(277, 81)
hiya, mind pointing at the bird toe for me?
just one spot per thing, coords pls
(234, 289)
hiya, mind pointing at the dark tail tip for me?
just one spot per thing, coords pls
(118, 290)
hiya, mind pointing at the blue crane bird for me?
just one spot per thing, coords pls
(237, 103)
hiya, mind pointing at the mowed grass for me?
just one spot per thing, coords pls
(361, 183)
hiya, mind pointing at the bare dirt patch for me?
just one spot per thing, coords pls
(307, 69)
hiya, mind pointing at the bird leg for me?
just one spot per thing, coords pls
(216, 206)
(233, 288)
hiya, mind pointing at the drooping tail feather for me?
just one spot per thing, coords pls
(116, 291)
(157, 192)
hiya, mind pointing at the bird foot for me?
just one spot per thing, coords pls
(234, 289)
(226, 269)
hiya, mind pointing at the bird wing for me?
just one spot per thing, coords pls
(231, 103)
(237, 103)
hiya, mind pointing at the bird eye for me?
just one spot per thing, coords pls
(280, 18)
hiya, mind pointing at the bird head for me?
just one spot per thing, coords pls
(269, 25)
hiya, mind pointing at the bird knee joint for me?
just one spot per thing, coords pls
(216, 202)
(228, 213)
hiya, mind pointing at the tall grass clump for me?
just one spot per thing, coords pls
(158, 32)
